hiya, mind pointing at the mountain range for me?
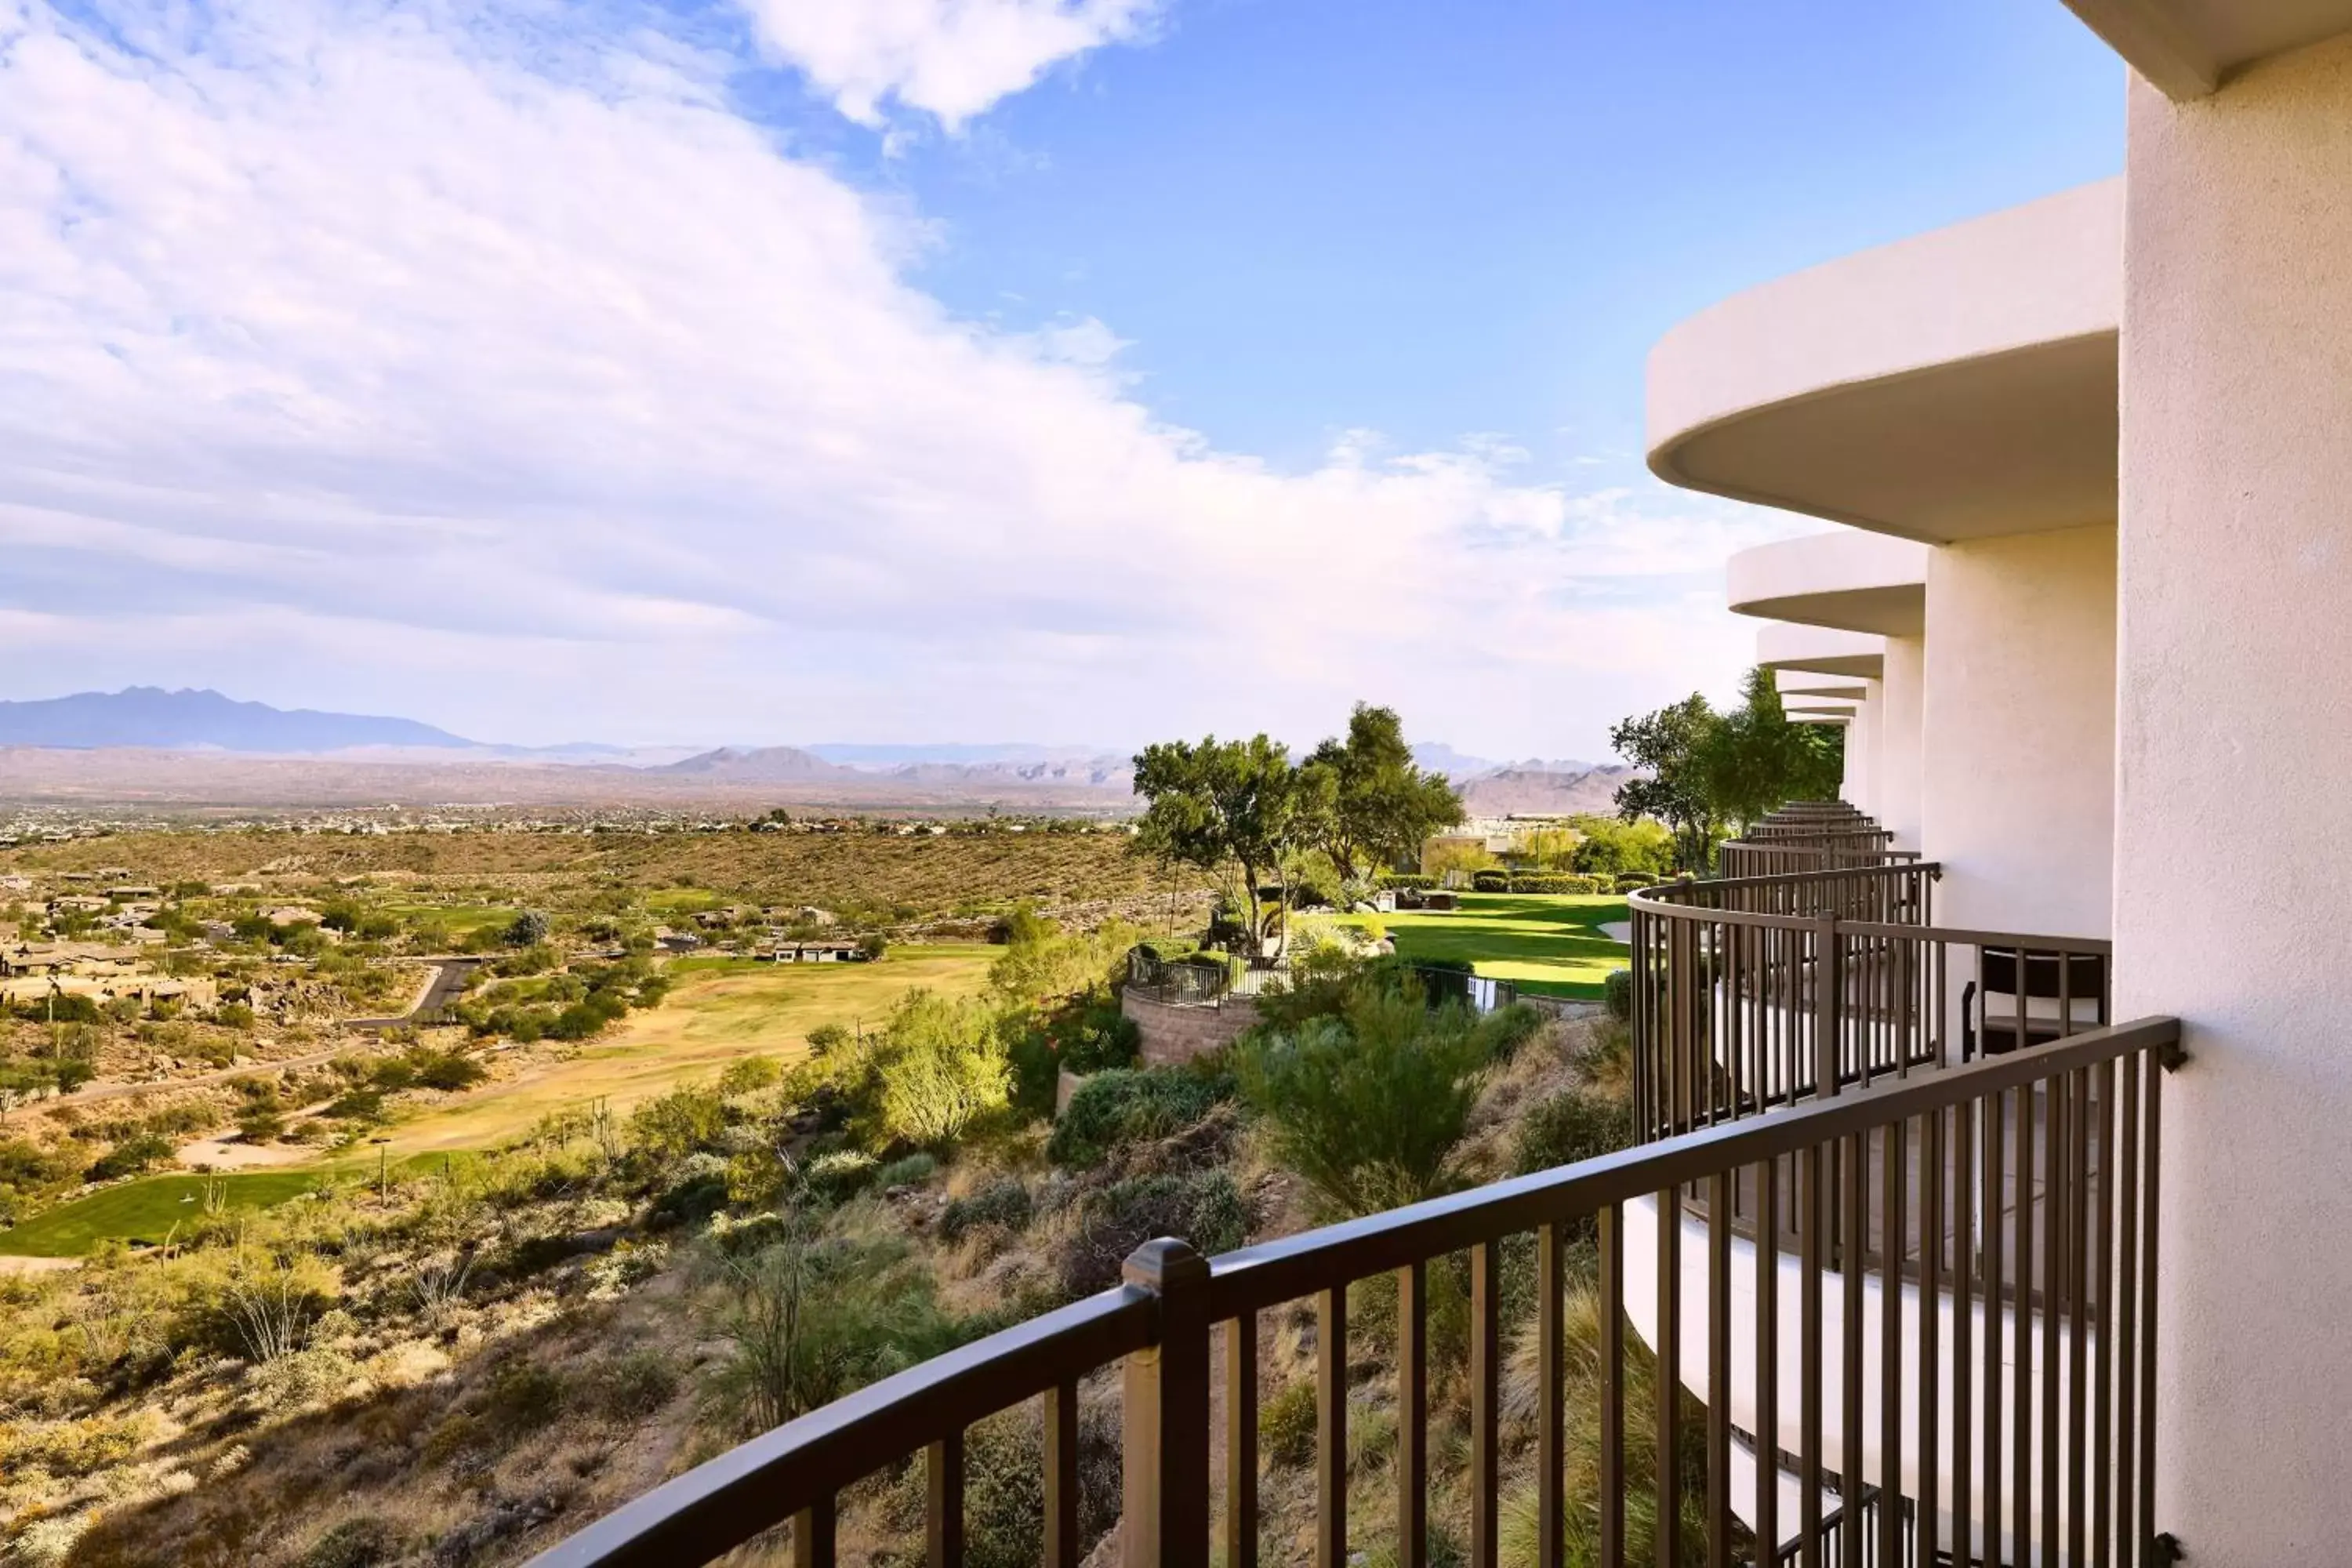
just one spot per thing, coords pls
(193, 725)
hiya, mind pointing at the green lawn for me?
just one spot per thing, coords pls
(144, 1210)
(1548, 944)
(462, 919)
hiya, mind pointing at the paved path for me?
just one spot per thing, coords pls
(448, 979)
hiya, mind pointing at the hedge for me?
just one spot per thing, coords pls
(1419, 881)
(1628, 881)
(1491, 882)
(1557, 882)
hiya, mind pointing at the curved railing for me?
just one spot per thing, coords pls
(1753, 993)
(1182, 1325)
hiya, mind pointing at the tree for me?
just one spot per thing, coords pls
(1750, 759)
(1366, 802)
(1216, 802)
(1671, 744)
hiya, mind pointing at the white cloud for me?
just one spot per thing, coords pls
(950, 58)
(344, 345)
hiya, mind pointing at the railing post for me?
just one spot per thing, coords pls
(1166, 1437)
(1829, 1007)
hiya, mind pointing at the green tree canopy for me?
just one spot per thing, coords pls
(1670, 744)
(1368, 804)
(1219, 801)
(1709, 771)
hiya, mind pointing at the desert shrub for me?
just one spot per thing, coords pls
(750, 1075)
(629, 1387)
(528, 930)
(671, 1126)
(1617, 994)
(1503, 1031)
(912, 1169)
(1004, 1487)
(1285, 1426)
(1114, 1109)
(1002, 1204)
(1566, 1128)
(935, 1067)
(359, 1105)
(810, 1319)
(1367, 1108)
(446, 1070)
(365, 1542)
(522, 1396)
(134, 1154)
(838, 1174)
(1083, 1036)
(1204, 1208)
(696, 1189)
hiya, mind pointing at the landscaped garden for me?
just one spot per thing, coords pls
(1546, 944)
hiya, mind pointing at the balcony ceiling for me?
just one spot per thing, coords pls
(1843, 580)
(1785, 646)
(1960, 385)
(2187, 47)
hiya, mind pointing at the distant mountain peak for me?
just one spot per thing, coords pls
(151, 716)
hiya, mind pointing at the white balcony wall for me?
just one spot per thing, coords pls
(2018, 731)
(2236, 747)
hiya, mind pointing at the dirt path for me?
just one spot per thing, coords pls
(93, 1093)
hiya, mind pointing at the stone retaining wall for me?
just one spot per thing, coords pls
(1172, 1034)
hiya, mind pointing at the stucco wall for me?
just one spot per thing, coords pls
(2235, 750)
(1896, 782)
(2018, 730)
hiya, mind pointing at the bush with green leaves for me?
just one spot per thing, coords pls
(1126, 1106)
(1367, 1108)
(1566, 1128)
(1557, 882)
(133, 1155)
(1002, 1204)
(1617, 994)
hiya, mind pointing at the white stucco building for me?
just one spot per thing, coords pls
(2087, 463)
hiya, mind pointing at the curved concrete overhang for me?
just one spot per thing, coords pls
(1798, 684)
(2188, 47)
(1843, 580)
(1784, 644)
(1960, 385)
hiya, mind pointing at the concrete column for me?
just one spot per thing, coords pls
(2235, 745)
(1861, 788)
(1900, 693)
(2018, 731)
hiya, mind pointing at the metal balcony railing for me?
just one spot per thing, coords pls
(2021, 1437)
(1751, 992)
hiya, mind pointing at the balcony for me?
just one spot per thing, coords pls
(1896, 1239)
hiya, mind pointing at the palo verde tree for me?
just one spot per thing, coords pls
(1366, 803)
(1219, 801)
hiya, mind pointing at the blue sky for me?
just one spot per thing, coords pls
(939, 370)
